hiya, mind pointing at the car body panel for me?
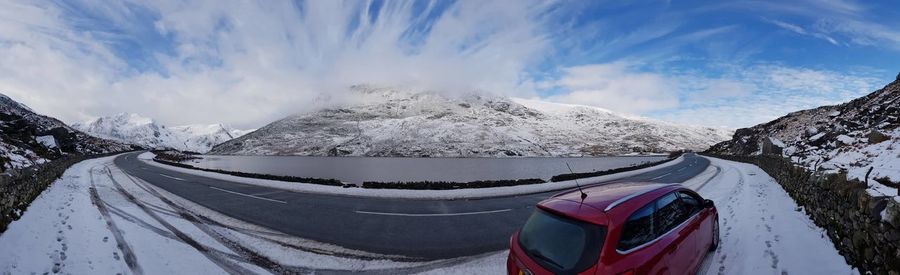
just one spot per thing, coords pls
(679, 251)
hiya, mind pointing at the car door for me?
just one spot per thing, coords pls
(637, 243)
(697, 227)
(674, 233)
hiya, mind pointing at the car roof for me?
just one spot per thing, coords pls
(600, 199)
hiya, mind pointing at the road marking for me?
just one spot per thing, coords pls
(682, 168)
(433, 214)
(171, 177)
(247, 195)
(663, 175)
(267, 193)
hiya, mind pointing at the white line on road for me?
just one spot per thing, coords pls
(171, 177)
(682, 168)
(663, 175)
(247, 195)
(432, 214)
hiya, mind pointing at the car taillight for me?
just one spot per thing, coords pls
(629, 272)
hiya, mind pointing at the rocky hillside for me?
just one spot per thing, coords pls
(851, 137)
(144, 132)
(27, 138)
(393, 122)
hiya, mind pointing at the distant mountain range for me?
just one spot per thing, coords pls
(407, 123)
(28, 138)
(855, 136)
(144, 132)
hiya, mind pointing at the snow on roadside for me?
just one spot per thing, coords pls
(763, 230)
(409, 194)
(97, 219)
(495, 263)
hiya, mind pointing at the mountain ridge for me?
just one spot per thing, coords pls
(409, 123)
(28, 138)
(851, 137)
(146, 132)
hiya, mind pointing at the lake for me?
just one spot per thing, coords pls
(387, 169)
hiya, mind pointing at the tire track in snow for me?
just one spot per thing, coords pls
(226, 265)
(201, 223)
(130, 259)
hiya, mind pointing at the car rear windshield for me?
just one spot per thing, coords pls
(560, 244)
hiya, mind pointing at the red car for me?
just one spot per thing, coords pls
(620, 228)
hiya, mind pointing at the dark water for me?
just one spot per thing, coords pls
(359, 169)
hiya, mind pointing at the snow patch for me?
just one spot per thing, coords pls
(47, 141)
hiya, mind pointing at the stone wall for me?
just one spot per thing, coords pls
(20, 187)
(864, 228)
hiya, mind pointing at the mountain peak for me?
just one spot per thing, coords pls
(145, 132)
(410, 123)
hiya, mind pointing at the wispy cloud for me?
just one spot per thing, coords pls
(745, 96)
(615, 87)
(249, 62)
(802, 31)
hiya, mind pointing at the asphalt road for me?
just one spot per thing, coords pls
(426, 229)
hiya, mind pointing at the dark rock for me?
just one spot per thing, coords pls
(769, 148)
(892, 235)
(877, 137)
(875, 206)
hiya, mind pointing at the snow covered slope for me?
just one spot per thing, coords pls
(134, 129)
(854, 136)
(393, 122)
(27, 138)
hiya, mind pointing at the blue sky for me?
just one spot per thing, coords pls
(714, 63)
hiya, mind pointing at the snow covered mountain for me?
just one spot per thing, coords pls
(393, 122)
(853, 137)
(27, 138)
(141, 131)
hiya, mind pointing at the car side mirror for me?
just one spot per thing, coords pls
(707, 203)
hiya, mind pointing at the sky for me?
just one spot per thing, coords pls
(247, 63)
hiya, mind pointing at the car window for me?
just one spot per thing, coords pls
(638, 229)
(670, 212)
(561, 244)
(691, 202)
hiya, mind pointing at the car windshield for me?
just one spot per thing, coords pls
(559, 244)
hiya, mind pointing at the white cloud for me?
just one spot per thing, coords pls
(615, 87)
(746, 96)
(250, 62)
(862, 32)
(800, 30)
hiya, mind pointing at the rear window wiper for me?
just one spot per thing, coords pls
(546, 259)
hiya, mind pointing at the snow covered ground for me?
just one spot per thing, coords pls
(762, 229)
(882, 157)
(97, 219)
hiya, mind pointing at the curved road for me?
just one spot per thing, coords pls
(424, 229)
